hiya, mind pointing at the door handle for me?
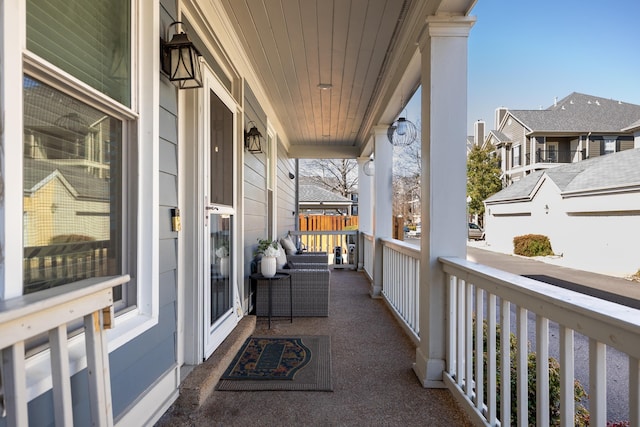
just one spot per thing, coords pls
(211, 208)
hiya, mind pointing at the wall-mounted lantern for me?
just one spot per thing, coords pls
(253, 140)
(180, 59)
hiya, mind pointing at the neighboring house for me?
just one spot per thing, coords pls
(314, 199)
(589, 210)
(573, 129)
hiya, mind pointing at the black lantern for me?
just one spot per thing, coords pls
(181, 60)
(252, 140)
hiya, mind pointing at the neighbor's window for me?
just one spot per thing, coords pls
(609, 145)
(516, 156)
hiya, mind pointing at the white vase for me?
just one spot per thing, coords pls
(224, 266)
(268, 266)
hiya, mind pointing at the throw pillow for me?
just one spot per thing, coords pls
(288, 246)
(281, 259)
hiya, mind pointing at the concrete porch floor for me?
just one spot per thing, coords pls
(373, 380)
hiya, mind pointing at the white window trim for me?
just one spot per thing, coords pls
(145, 101)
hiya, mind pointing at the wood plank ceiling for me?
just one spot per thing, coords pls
(299, 46)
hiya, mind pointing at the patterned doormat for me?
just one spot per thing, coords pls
(280, 363)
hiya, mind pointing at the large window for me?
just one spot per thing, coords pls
(516, 156)
(72, 186)
(76, 144)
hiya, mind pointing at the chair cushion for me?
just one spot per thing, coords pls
(288, 245)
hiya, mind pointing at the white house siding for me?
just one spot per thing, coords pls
(593, 233)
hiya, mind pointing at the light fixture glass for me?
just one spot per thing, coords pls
(402, 132)
(369, 168)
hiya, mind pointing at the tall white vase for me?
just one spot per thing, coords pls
(268, 266)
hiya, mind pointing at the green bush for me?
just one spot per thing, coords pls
(581, 418)
(532, 245)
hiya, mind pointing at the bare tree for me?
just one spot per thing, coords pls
(337, 175)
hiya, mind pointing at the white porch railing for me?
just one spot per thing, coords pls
(473, 291)
(401, 283)
(51, 311)
(327, 241)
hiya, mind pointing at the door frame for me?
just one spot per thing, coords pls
(191, 329)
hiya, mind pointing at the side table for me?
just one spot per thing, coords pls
(258, 277)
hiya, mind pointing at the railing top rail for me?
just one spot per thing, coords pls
(26, 305)
(613, 324)
(402, 247)
(321, 232)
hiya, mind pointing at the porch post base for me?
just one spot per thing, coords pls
(429, 371)
(375, 291)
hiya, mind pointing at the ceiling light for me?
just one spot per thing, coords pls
(325, 86)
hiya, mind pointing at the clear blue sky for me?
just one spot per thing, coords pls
(522, 54)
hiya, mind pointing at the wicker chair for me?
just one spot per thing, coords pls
(310, 293)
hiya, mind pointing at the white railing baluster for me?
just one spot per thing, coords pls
(468, 332)
(491, 359)
(597, 383)
(522, 367)
(634, 391)
(452, 340)
(567, 400)
(542, 371)
(98, 370)
(460, 334)
(14, 383)
(61, 376)
(505, 362)
(479, 350)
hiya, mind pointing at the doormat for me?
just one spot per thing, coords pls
(280, 363)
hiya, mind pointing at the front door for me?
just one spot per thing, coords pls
(219, 228)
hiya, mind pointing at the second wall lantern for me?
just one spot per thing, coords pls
(253, 139)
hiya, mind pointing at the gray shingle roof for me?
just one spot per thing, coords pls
(581, 113)
(501, 137)
(605, 172)
(313, 193)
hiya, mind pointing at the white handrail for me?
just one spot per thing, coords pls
(604, 323)
(27, 316)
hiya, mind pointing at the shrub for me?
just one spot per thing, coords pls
(581, 413)
(532, 245)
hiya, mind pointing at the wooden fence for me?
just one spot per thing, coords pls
(328, 222)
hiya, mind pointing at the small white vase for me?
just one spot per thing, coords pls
(224, 266)
(268, 266)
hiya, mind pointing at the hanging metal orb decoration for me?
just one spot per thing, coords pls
(402, 132)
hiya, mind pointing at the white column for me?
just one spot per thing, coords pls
(365, 206)
(365, 198)
(382, 206)
(444, 124)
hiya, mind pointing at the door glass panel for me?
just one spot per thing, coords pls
(221, 262)
(221, 155)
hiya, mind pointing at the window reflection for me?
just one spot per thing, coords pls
(221, 262)
(72, 189)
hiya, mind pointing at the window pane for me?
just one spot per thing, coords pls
(89, 39)
(72, 189)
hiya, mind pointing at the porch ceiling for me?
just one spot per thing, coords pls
(364, 49)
